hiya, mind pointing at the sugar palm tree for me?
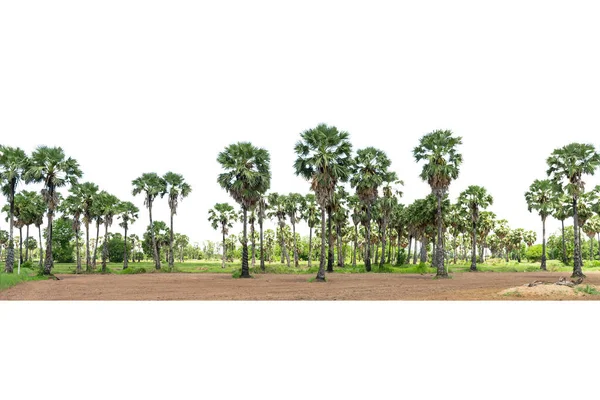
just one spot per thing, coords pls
(370, 170)
(13, 162)
(50, 166)
(387, 204)
(87, 192)
(152, 186)
(515, 238)
(29, 213)
(109, 207)
(128, 213)
(357, 215)
(591, 228)
(487, 222)
(323, 158)
(277, 204)
(40, 210)
(566, 166)
(246, 177)
(310, 215)
(561, 203)
(222, 217)
(439, 149)
(177, 189)
(474, 199)
(540, 197)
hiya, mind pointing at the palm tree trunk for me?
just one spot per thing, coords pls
(439, 251)
(49, 261)
(245, 269)
(474, 249)
(591, 248)
(543, 266)
(171, 259)
(105, 247)
(330, 246)
(309, 245)
(577, 270)
(599, 245)
(21, 245)
(262, 254)
(355, 245)
(564, 247)
(125, 261)
(295, 244)
(410, 238)
(10, 253)
(424, 245)
(253, 243)
(78, 251)
(154, 246)
(88, 264)
(383, 245)
(321, 274)
(368, 240)
(26, 241)
(338, 231)
(415, 253)
(224, 247)
(41, 247)
(455, 249)
(96, 244)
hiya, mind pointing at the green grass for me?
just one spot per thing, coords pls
(589, 290)
(10, 280)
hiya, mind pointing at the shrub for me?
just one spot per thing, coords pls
(534, 253)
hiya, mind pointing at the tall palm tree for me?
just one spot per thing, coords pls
(13, 162)
(177, 189)
(566, 166)
(439, 148)
(29, 214)
(222, 216)
(370, 170)
(50, 166)
(151, 185)
(246, 177)
(134, 239)
(323, 158)
(561, 212)
(474, 199)
(487, 223)
(261, 210)
(357, 216)
(387, 204)
(540, 197)
(515, 238)
(39, 207)
(293, 203)
(98, 217)
(128, 213)
(109, 206)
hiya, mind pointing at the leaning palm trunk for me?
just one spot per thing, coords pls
(245, 270)
(474, 249)
(49, 263)
(21, 245)
(321, 274)
(577, 271)
(439, 250)
(253, 243)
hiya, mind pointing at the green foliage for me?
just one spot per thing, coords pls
(401, 257)
(116, 248)
(63, 237)
(133, 270)
(588, 290)
(12, 279)
(534, 253)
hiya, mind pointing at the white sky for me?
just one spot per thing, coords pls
(128, 87)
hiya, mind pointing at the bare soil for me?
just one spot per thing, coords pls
(181, 286)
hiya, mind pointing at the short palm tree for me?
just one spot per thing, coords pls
(128, 213)
(566, 166)
(370, 170)
(323, 158)
(222, 217)
(439, 149)
(13, 162)
(540, 197)
(177, 189)
(152, 186)
(246, 177)
(50, 166)
(474, 199)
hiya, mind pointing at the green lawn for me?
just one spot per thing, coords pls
(9, 280)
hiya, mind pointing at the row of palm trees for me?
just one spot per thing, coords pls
(325, 160)
(84, 204)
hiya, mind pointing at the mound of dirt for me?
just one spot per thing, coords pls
(548, 290)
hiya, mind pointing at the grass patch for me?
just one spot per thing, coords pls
(513, 294)
(132, 271)
(589, 290)
(10, 280)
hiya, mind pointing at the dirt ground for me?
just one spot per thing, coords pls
(463, 286)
